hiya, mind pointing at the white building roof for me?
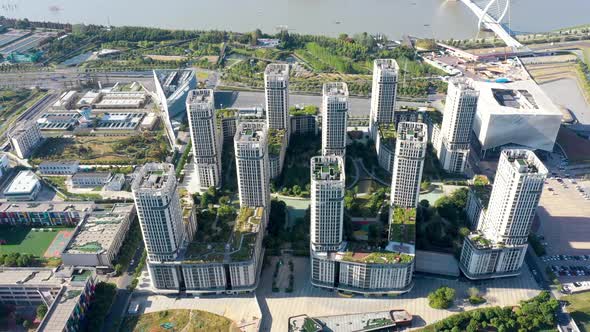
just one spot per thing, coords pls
(515, 113)
(25, 182)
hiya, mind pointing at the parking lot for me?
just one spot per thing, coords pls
(564, 214)
(564, 224)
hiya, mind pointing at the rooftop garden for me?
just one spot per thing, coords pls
(377, 257)
(248, 219)
(403, 225)
(483, 193)
(388, 134)
(306, 110)
(275, 141)
(327, 171)
(480, 241)
(225, 233)
(225, 113)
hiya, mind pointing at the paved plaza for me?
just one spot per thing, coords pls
(278, 307)
(275, 308)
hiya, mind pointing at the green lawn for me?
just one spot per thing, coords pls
(179, 320)
(24, 240)
(580, 309)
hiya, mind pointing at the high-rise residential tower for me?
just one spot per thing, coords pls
(499, 246)
(158, 209)
(334, 118)
(410, 151)
(452, 145)
(276, 93)
(383, 93)
(327, 202)
(206, 141)
(251, 150)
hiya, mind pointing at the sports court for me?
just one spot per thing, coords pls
(34, 241)
(59, 243)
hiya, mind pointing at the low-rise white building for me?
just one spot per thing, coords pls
(66, 101)
(66, 167)
(97, 240)
(90, 179)
(24, 187)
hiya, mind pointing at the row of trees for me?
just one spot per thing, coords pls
(16, 259)
(535, 314)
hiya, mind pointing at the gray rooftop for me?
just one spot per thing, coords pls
(336, 89)
(412, 131)
(200, 96)
(97, 233)
(154, 176)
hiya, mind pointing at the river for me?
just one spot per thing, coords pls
(442, 19)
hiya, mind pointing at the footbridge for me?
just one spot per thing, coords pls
(490, 14)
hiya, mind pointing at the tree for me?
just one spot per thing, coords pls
(26, 324)
(464, 231)
(206, 199)
(41, 311)
(442, 298)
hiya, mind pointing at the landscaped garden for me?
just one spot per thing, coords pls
(179, 320)
(98, 150)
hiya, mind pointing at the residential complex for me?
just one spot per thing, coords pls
(334, 118)
(24, 138)
(158, 208)
(252, 165)
(383, 93)
(452, 143)
(206, 140)
(410, 151)
(499, 246)
(350, 266)
(276, 96)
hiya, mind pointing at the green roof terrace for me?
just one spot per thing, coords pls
(275, 141)
(388, 134)
(238, 243)
(403, 225)
(306, 110)
(380, 257)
